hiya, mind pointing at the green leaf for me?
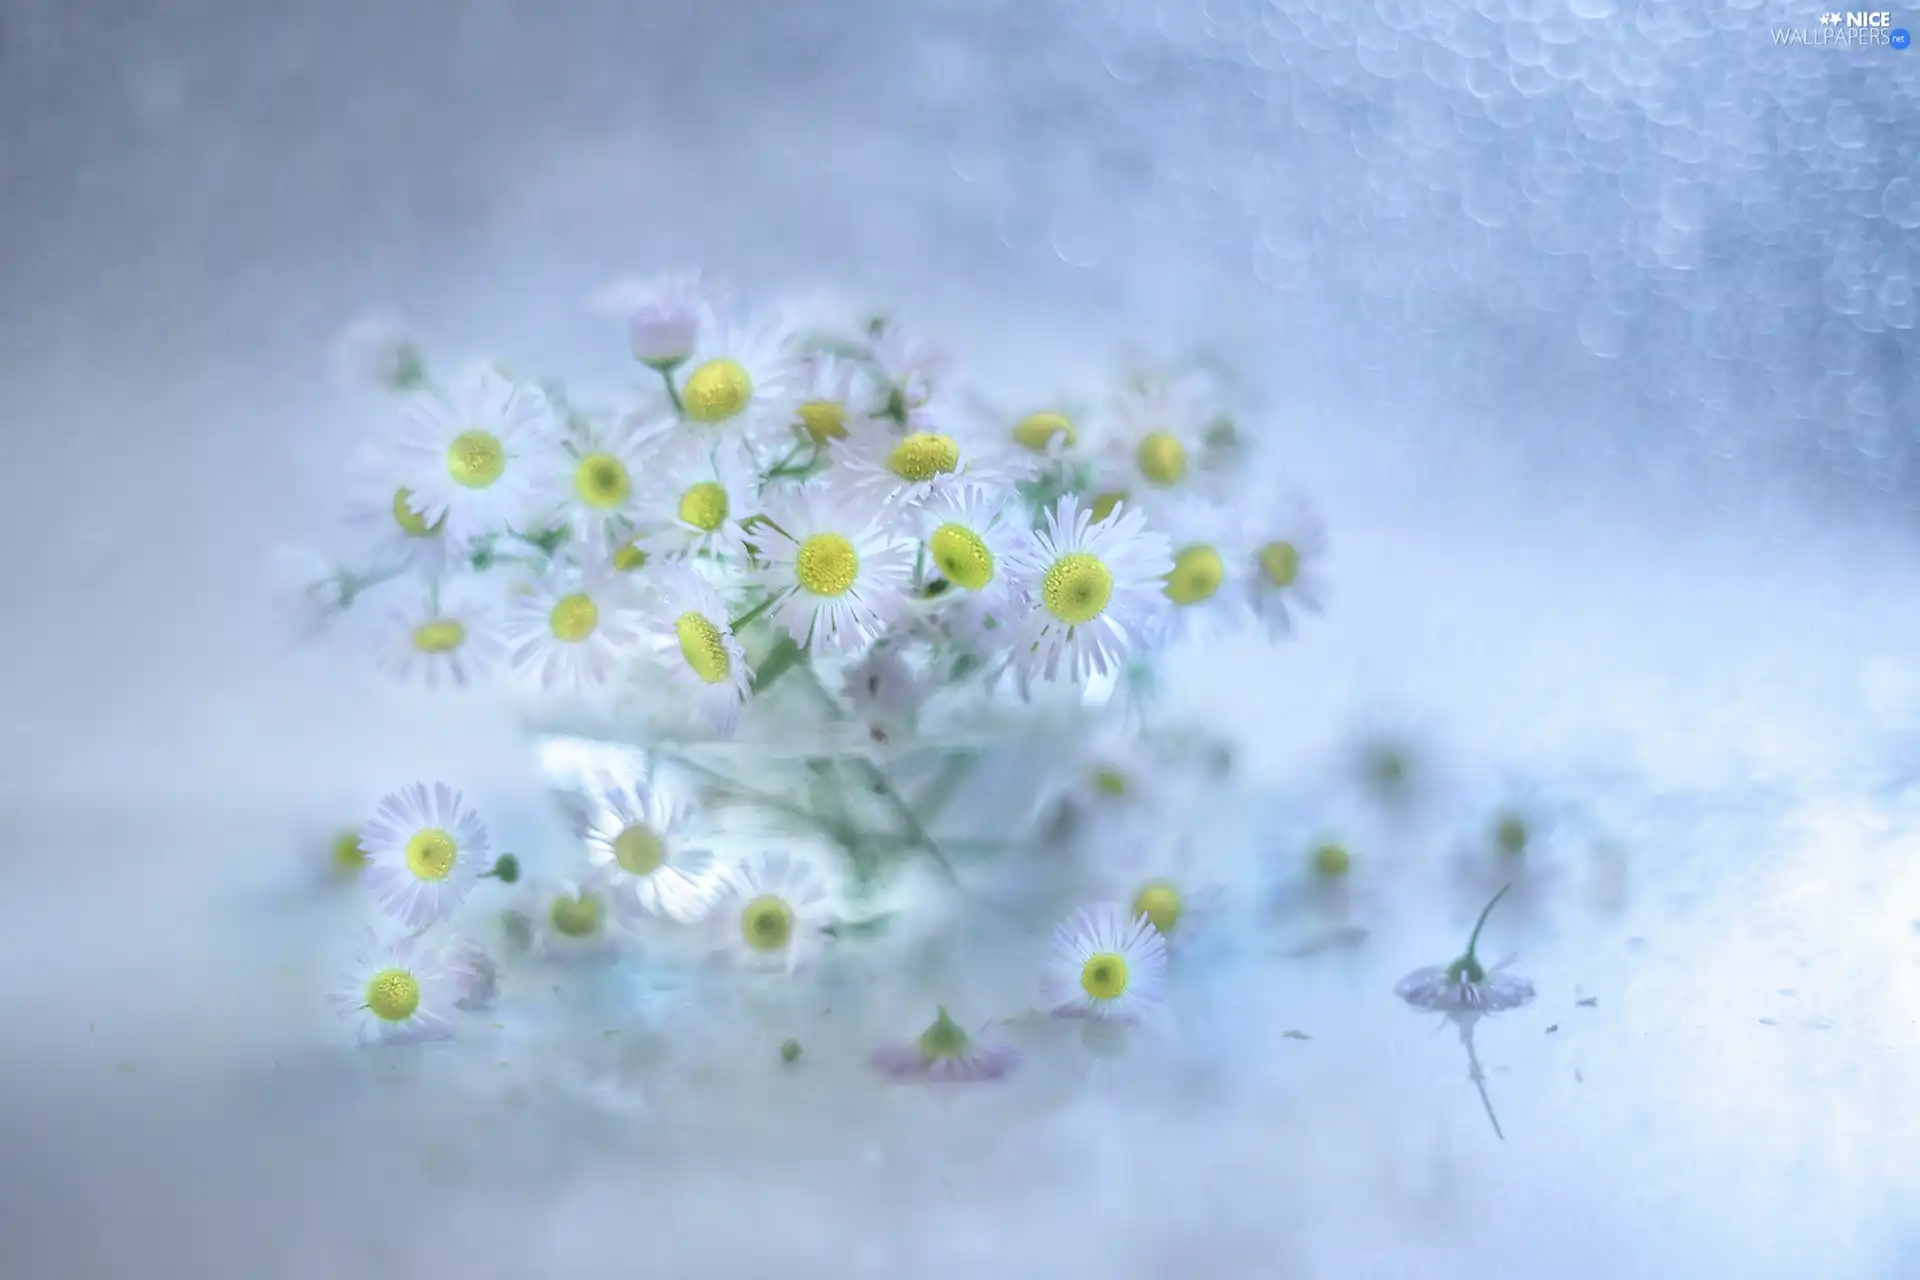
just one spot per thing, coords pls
(1295, 1035)
(776, 664)
(547, 540)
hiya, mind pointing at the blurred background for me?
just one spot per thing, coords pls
(1590, 325)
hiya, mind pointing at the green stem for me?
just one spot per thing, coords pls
(754, 612)
(352, 584)
(762, 799)
(673, 392)
(1474, 940)
(882, 785)
(783, 658)
(951, 775)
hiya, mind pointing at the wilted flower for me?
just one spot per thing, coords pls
(946, 1053)
(1464, 986)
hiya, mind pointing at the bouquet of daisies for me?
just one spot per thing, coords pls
(778, 608)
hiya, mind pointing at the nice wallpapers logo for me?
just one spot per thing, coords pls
(1853, 30)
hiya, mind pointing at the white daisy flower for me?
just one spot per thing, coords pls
(640, 838)
(929, 455)
(1170, 888)
(1046, 433)
(1107, 774)
(686, 625)
(773, 913)
(425, 852)
(972, 535)
(1514, 849)
(699, 497)
(945, 1053)
(441, 634)
(1157, 431)
(738, 386)
(474, 458)
(1280, 569)
(595, 487)
(844, 574)
(474, 973)
(624, 557)
(394, 534)
(662, 315)
(1465, 988)
(395, 993)
(345, 858)
(1107, 963)
(910, 371)
(1093, 591)
(572, 629)
(1208, 545)
(572, 920)
(834, 393)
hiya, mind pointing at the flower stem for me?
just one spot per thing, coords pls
(673, 392)
(753, 613)
(783, 658)
(1474, 941)
(352, 584)
(883, 785)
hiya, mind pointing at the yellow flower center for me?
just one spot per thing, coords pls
(824, 420)
(1076, 588)
(703, 648)
(1197, 575)
(962, 556)
(1159, 901)
(1332, 861)
(431, 853)
(442, 635)
(716, 391)
(630, 557)
(573, 617)
(1104, 503)
(766, 923)
(1109, 781)
(638, 850)
(1510, 835)
(1104, 975)
(601, 481)
(348, 856)
(1037, 431)
(393, 995)
(409, 520)
(704, 506)
(826, 564)
(576, 917)
(922, 456)
(1162, 459)
(476, 459)
(1279, 564)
